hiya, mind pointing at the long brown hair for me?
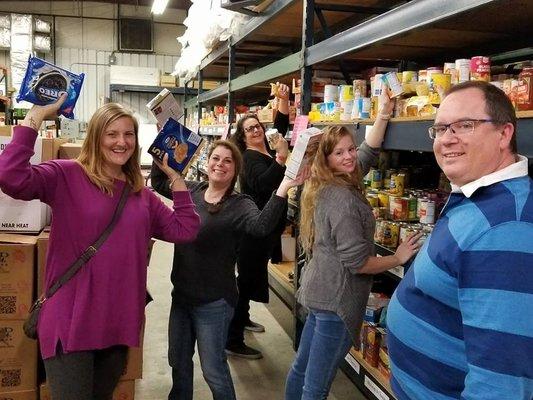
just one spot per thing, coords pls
(237, 160)
(239, 137)
(321, 176)
(91, 158)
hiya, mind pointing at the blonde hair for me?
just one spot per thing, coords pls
(91, 158)
(321, 176)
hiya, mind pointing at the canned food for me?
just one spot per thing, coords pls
(394, 234)
(395, 86)
(378, 233)
(412, 206)
(419, 205)
(383, 199)
(405, 232)
(462, 66)
(422, 75)
(375, 178)
(372, 200)
(427, 212)
(398, 207)
(449, 68)
(387, 235)
(480, 68)
(397, 184)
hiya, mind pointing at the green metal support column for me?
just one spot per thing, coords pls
(200, 87)
(307, 41)
(231, 76)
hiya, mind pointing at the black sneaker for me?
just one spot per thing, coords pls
(254, 327)
(244, 351)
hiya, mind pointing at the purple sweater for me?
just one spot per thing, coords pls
(103, 304)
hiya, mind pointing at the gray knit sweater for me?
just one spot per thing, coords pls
(344, 232)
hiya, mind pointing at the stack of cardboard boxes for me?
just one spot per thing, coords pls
(23, 247)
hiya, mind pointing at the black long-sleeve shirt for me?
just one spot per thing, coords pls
(204, 270)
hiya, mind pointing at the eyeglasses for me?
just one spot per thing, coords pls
(458, 128)
(252, 128)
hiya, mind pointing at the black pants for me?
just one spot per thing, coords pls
(241, 317)
(85, 375)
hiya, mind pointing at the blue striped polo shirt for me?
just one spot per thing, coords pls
(461, 321)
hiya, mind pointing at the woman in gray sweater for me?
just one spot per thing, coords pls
(337, 230)
(204, 291)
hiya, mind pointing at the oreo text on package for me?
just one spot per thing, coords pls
(179, 143)
(44, 83)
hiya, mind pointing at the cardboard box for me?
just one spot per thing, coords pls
(305, 148)
(69, 151)
(266, 114)
(19, 395)
(18, 363)
(167, 80)
(125, 390)
(181, 144)
(20, 215)
(17, 256)
(372, 345)
(164, 106)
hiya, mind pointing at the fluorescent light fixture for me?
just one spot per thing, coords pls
(159, 6)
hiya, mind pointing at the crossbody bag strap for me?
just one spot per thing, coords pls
(91, 250)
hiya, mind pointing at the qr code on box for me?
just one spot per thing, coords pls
(8, 304)
(10, 377)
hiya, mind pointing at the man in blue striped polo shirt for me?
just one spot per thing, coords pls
(461, 321)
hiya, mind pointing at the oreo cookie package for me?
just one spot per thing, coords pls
(181, 144)
(44, 82)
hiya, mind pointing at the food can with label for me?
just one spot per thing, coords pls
(480, 68)
(419, 205)
(387, 235)
(375, 178)
(395, 86)
(405, 232)
(394, 234)
(398, 181)
(383, 199)
(422, 75)
(372, 200)
(378, 233)
(427, 212)
(462, 66)
(398, 207)
(412, 206)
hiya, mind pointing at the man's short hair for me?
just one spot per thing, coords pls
(498, 106)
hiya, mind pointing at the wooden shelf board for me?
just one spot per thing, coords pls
(374, 372)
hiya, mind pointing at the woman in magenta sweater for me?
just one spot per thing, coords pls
(86, 327)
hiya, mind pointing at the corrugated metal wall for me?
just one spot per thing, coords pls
(96, 86)
(94, 63)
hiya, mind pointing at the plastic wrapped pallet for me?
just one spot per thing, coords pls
(42, 26)
(42, 43)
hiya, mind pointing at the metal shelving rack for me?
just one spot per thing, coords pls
(389, 32)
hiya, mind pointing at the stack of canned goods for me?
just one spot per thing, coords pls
(391, 233)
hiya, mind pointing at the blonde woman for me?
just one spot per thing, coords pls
(86, 327)
(336, 230)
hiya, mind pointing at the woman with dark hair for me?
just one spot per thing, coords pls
(337, 233)
(203, 272)
(85, 328)
(263, 170)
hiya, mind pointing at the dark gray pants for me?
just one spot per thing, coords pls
(85, 375)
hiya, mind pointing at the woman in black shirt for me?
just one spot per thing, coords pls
(263, 170)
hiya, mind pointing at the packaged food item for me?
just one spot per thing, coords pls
(441, 83)
(394, 84)
(44, 83)
(462, 67)
(304, 149)
(359, 88)
(480, 68)
(524, 92)
(272, 136)
(165, 106)
(181, 145)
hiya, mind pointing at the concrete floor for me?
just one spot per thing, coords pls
(254, 379)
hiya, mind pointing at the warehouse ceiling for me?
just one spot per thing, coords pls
(177, 4)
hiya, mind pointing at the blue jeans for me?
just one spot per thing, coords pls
(207, 325)
(324, 343)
